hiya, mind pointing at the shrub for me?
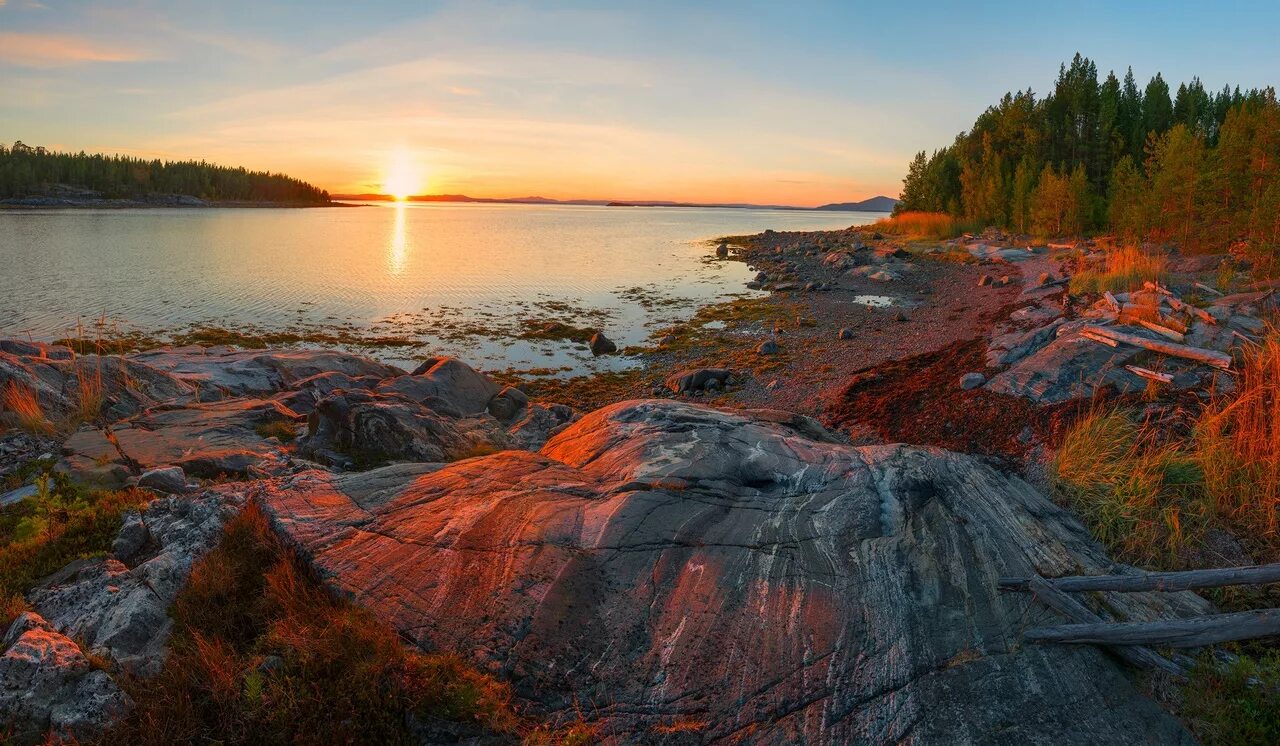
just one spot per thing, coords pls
(936, 225)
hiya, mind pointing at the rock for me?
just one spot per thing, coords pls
(768, 347)
(699, 563)
(688, 381)
(123, 611)
(845, 333)
(452, 382)
(350, 428)
(506, 404)
(972, 381)
(1011, 347)
(984, 280)
(900, 315)
(47, 684)
(880, 276)
(126, 387)
(132, 538)
(170, 480)
(221, 371)
(722, 251)
(1004, 280)
(1043, 279)
(774, 385)
(1069, 367)
(18, 495)
(540, 422)
(601, 345)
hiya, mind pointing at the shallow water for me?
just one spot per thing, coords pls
(457, 278)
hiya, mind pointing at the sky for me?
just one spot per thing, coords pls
(781, 103)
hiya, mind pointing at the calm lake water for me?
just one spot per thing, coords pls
(458, 278)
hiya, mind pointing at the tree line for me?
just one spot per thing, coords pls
(1196, 167)
(27, 171)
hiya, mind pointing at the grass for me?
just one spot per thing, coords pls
(935, 225)
(211, 336)
(63, 522)
(1238, 444)
(1125, 270)
(261, 653)
(89, 392)
(1143, 499)
(1236, 703)
(24, 405)
(282, 430)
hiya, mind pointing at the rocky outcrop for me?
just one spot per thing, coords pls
(219, 372)
(118, 606)
(672, 563)
(124, 386)
(48, 685)
(460, 388)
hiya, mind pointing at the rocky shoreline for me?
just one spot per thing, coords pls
(768, 569)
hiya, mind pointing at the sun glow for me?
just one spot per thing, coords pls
(403, 177)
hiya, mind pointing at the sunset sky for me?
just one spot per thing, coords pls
(796, 103)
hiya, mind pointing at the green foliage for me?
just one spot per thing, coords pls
(1202, 170)
(1235, 704)
(26, 171)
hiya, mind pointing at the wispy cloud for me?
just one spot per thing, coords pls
(59, 50)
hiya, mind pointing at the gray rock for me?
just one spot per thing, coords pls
(972, 380)
(132, 539)
(508, 403)
(48, 684)
(448, 379)
(689, 381)
(984, 280)
(222, 371)
(768, 347)
(1069, 367)
(539, 423)
(170, 480)
(722, 251)
(846, 333)
(601, 345)
(18, 495)
(699, 563)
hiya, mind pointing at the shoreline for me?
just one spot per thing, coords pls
(143, 205)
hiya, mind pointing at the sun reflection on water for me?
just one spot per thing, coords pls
(398, 251)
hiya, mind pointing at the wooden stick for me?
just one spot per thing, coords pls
(1162, 330)
(1183, 580)
(1204, 315)
(1208, 289)
(1247, 339)
(1077, 612)
(1150, 374)
(1192, 632)
(1099, 338)
(1156, 288)
(1209, 357)
(1111, 300)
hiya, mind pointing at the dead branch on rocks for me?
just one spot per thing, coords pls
(1208, 357)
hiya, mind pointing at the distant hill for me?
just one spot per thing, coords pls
(875, 204)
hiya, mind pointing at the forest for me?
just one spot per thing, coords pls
(1197, 168)
(27, 171)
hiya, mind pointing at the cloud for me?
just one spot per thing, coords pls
(57, 50)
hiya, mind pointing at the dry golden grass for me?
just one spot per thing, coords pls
(89, 390)
(1125, 270)
(937, 225)
(1238, 443)
(23, 403)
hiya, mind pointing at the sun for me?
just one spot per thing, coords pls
(402, 178)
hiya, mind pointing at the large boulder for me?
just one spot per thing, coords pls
(224, 371)
(678, 564)
(122, 386)
(448, 380)
(48, 685)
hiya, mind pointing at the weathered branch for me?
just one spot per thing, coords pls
(1149, 374)
(1209, 357)
(1192, 632)
(1185, 580)
(1077, 612)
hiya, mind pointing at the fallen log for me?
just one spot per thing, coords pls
(1077, 612)
(1162, 330)
(1111, 301)
(1099, 338)
(1207, 289)
(1182, 580)
(1204, 315)
(1149, 374)
(1192, 632)
(1208, 357)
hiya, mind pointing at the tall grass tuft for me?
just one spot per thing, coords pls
(936, 225)
(23, 403)
(1125, 270)
(1144, 500)
(89, 388)
(1238, 442)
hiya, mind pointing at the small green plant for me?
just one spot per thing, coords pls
(1236, 703)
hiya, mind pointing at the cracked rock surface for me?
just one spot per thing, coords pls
(659, 561)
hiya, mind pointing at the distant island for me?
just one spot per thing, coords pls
(874, 204)
(36, 177)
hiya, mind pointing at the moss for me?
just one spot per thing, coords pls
(282, 430)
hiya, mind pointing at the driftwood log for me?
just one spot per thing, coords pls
(1185, 580)
(1209, 357)
(1192, 632)
(1149, 374)
(1077, 612)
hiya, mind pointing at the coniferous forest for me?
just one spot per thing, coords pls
(26, 171)
(1192, 167)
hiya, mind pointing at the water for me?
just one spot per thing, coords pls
(455, 278)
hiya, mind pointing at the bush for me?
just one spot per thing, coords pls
(934, 225)
(1126, 270)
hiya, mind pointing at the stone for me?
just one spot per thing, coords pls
(846, 333)
(126, 387)
(539, 423)
(506, 404)
(722, 251)
(601, 345)
(223, 372)
(768, 347)
(688, 381)
(880, 276)
(972, 380)
(169, 479)
(1005, 280)
(1043, 279)
(132, 538)
(47, 684)
(1069, 367)
(984, 280)
(900, 315)
(729, 567)
(462, 388)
